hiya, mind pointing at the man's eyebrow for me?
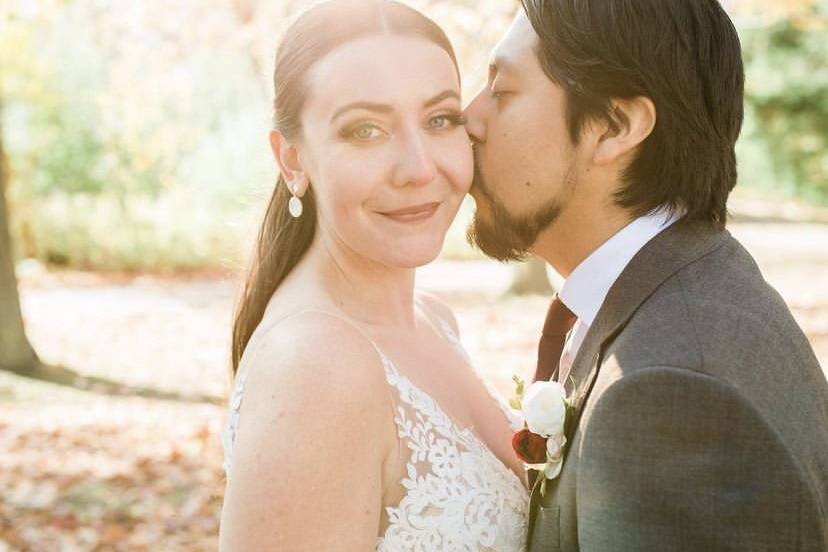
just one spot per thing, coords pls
(502, 63)
(499, 64)
(385, 108)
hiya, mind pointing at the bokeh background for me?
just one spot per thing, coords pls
(135, 171)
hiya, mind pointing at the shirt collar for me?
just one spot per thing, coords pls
(588, 285)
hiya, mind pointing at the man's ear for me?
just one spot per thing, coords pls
(287, 157)
(634, 119)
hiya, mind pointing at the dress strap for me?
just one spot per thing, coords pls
(237, 393)
(437, 322)
(444, 328)
(263, 329)
(388, 367)
(443, 325)
(348, 320)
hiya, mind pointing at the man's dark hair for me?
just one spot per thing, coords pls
(682, 54)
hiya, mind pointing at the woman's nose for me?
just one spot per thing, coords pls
(416, 163)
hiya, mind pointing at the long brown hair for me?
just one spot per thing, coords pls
(283, 240)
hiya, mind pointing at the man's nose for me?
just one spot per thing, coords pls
(475, 125)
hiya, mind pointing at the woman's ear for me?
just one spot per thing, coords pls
(634, 119)
(287, 157)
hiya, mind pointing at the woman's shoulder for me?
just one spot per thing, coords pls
(314, 405)
(313, 355)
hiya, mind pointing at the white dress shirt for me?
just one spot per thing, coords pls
(588, 285)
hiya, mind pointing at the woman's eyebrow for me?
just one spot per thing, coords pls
(369, 106)
(442, 96)
(386, 108)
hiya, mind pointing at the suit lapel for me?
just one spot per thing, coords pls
(674, 248)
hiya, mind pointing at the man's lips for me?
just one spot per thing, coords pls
(413, 213)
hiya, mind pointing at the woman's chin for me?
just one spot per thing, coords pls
(409, 256)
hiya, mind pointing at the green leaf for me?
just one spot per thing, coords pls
(519, 386)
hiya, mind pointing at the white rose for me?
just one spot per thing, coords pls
(553, 469)
(554, 455)
(544, 408)
(554, 447)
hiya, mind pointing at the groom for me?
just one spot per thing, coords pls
(605, 145)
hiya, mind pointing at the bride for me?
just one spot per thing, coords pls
(356, 421)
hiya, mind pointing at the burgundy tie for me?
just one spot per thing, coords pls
(559, 320)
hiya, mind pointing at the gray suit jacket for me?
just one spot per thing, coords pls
(701, 417)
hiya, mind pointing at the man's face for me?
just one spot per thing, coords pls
(525, 161)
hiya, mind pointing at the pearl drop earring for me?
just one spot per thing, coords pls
(295, 204)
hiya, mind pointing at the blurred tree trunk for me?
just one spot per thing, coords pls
(16, 353)
(531, 277)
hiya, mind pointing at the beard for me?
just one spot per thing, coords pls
(506, 237)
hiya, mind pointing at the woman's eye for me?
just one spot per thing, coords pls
(365, 132)
(448, 120)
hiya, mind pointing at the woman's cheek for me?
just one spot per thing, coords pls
(461, 165)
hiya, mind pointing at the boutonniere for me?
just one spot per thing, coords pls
(545, 409)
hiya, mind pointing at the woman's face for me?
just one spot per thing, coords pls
(384, 147)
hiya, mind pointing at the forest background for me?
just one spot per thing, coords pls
(135, 169)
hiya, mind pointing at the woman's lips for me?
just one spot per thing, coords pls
(416, 213)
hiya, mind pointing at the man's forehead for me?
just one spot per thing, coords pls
(517, 44)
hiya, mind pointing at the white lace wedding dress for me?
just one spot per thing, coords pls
(459, 495)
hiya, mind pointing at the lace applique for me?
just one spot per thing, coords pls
(459, 495)
(228, 436)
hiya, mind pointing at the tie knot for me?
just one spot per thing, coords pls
(559, 319)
